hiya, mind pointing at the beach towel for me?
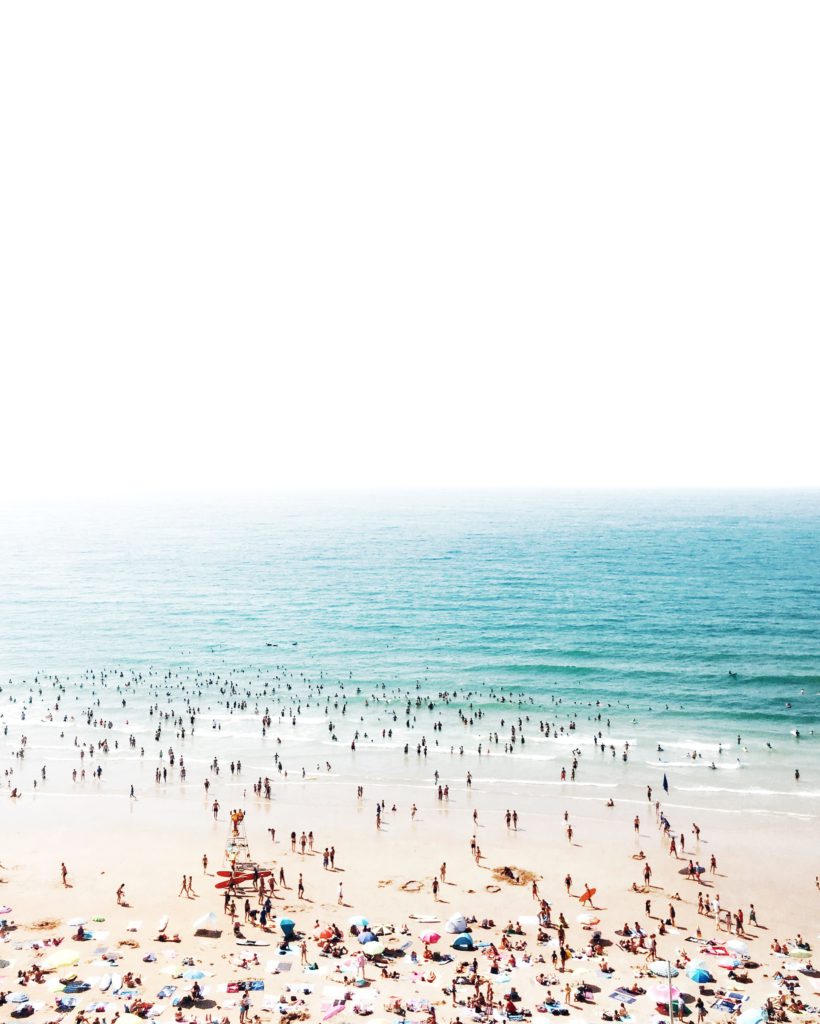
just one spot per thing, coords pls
(622, 995)
(166, 991)
(725, 1005)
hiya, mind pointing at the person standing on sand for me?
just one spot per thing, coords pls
(244, 1007)
(442, 871)
(121, 894)
(303, 951)
(435, 890)
(300, 888)
(64, 874)
(204, 863)
(568, 882)
(341, 896)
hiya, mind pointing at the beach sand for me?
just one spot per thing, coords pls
(149, 841)
(106, 838)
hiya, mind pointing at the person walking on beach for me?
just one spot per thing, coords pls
(435, 890)
(121, 895)
(442, 872)
(568, 882)
(64, 874)
(191, 886)
(184, 886)
(300, 888)
(341, 896)
(204, 863)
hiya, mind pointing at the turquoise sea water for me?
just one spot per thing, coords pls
(642, 602)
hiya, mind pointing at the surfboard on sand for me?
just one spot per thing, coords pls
(250, 942)
(226, 883)
(263, 873)
(163, 923)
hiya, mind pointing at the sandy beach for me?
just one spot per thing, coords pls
(449, 825)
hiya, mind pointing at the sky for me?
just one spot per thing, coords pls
(441, 244)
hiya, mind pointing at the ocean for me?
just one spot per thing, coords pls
(688, 622)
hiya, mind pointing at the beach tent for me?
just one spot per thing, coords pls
(456, 924)
(463, 942)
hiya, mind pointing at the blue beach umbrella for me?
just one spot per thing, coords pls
(699, 974)
(195, 975)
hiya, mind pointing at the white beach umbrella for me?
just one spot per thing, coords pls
(663, 969)
(739, 946)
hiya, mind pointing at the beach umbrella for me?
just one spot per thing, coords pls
(738, 946)
(729, 962)
(195, 975)
(664, 994)
(588, 919)
(754, 1015)
(359, 922)
(663, 969)
(75, 922)
(5, 910)
(429, 937)
(373, 948)
(799, 953)
(698, 974)
(367, 937)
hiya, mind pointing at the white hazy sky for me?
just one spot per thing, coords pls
(260, 245)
